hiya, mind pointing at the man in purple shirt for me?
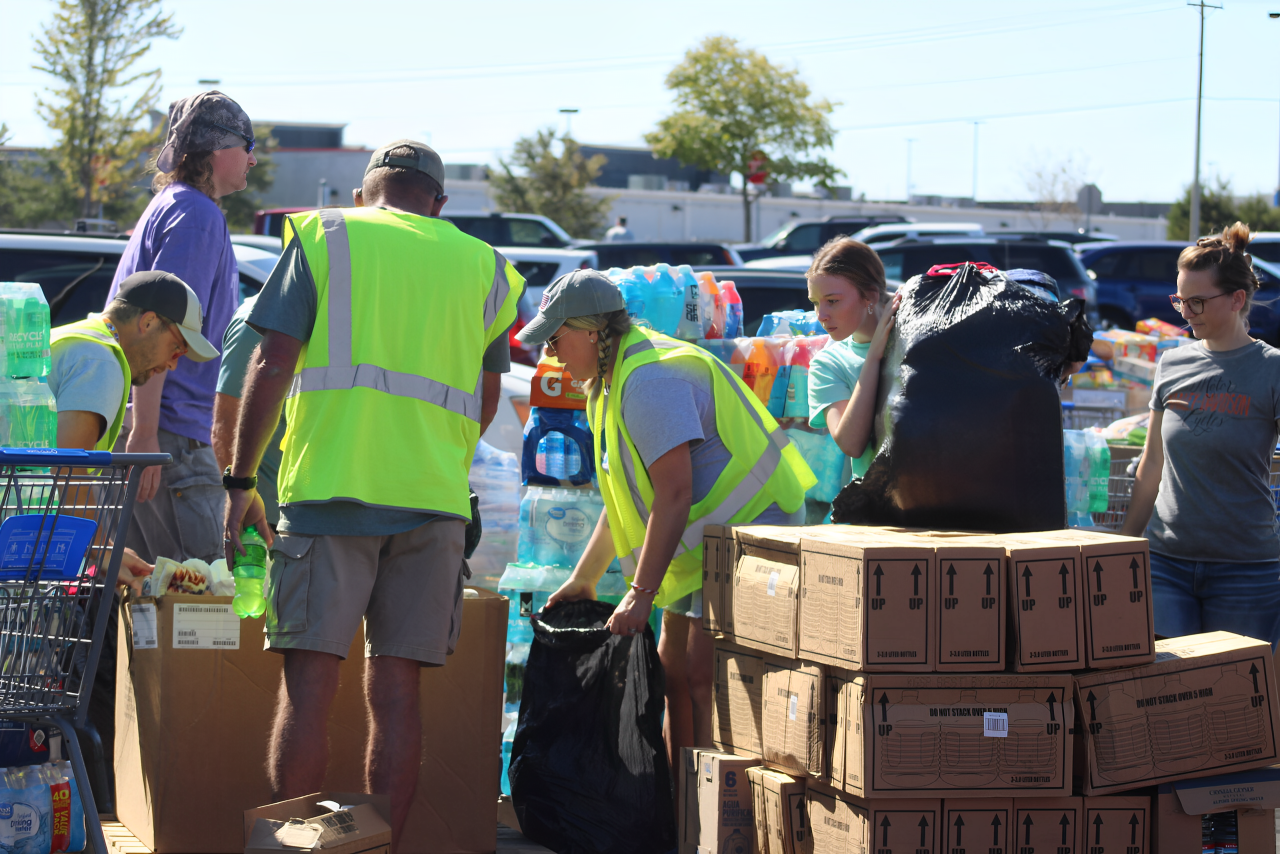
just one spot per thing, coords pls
(207, 155)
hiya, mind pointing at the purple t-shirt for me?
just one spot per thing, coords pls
(183, 232)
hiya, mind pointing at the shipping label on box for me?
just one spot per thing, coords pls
(712, 587)
(1206, 705)
(1045, 591)
(765, 602)
(1117, 825)
(725, 814)
(794, 726)
(1048, 826)
(971, 616)
(739, 700)
(977, 825)
(918, 734)
(866, 604)
(202, 626)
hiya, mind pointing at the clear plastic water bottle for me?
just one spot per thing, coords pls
(507, 737)
(250, 569)
(524, 538)
(26, 321)
(572, 458)
(555, 455)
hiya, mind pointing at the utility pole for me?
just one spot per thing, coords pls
(1275, 200)
(909, 143)
(975, 162)
(1194, 231)
(568, 112)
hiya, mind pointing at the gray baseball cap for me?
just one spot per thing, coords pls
(578, 294)
(425, 159)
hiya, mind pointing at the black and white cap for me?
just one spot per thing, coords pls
(172, 299)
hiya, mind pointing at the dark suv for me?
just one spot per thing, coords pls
(1135, 280)
(910, 257)
(807, 236)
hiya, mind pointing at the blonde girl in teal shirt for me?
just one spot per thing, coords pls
(847, 288)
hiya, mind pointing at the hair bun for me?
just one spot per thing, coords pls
(1236, 237)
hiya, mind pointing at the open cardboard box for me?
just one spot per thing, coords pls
(362, 825)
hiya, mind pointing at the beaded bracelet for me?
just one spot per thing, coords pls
(651, 592)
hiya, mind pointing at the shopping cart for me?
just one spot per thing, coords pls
(1081, 417)
(63, 519)
(1120, 488)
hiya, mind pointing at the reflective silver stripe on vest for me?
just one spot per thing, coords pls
(497, 291)
(341, 374)
(747, 488)
(339, 246)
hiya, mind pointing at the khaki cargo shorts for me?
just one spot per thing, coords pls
(406, 587)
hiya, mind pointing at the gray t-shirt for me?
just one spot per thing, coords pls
(288, 303)
(86, 377)
(668, 403)
(1215, 501)
(238, 344)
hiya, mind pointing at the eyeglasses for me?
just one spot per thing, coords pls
(249, 143)
(1196, 304)
(551, 342)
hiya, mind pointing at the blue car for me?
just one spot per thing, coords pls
(1135, 280)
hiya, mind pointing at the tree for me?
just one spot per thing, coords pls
(1217, 211)
(1257, 213)
(1055, 189)
(735, 109)
(91, 48)
(28, 199)
(553, 186)
(240, 207)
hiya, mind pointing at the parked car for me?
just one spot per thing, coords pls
(1265, 245)
(540, 267)
(913, 230)
(510, 229)
(75, 272)
(265, 242)
(1073, 237)
(271, 221)
(807, 236)
(645, 254)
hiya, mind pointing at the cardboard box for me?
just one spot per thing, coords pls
(980, 825)
(1118, 626)
(712, 586)
(185, 716)
(1045, 589)
(765, 584)
(842, 824)
(364, 828)
(687, 816)
(1118, 825)
(794, 722)
(868, 601)
(1206, 705)
(972, 595)
(923, 735)
(780, 815)
(1252, 795)
(1048, 826)
(725, 812)
(737, 706)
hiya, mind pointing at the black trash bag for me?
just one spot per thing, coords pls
(589, 768)
(968, 412)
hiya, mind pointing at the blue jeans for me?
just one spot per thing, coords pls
(1190, 597)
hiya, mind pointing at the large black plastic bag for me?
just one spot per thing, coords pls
(589, 768)
(968, 411)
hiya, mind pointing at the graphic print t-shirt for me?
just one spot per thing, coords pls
(1219, 433)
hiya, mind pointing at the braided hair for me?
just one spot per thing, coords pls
(1225, 255)
(614, 324)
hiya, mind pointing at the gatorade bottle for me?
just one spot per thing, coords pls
(711, 305)
(799, 353)
(635, 289)
(732, 309)
(690, 326)
(666, 303)
(760, 369)
(249, 570)
(782, 351)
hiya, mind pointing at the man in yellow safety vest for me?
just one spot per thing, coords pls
(385, 327)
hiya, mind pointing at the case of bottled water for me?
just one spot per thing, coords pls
(557, 448)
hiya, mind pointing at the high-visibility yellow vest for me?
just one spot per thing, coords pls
(765, 467)
(93, 329)
(385, 404)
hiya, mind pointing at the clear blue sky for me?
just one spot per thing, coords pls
(1109, 84)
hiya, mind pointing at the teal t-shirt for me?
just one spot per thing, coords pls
(833, 373)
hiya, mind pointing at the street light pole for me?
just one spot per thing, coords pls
(975, 162)
(1275, 200)
(1194, 230)
(909, 142)
(568, 112)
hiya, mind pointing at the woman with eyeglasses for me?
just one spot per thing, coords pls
(1205, 470)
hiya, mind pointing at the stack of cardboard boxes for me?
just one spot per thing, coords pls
(933, 692)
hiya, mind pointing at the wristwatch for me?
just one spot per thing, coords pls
(229, 482)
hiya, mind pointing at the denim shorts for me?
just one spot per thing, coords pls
(690, 606)
(1190, 597)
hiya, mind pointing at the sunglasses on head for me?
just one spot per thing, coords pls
(249, 143)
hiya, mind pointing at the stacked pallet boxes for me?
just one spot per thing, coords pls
(929, 691)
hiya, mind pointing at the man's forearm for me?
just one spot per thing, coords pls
(146, 405)
(226, 411)
(264, 392)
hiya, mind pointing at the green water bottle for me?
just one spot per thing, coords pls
(250, 569)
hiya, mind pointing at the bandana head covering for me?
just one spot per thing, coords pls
(209, 121)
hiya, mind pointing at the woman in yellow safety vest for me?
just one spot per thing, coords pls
(680, 443)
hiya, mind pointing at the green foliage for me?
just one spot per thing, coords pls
(553, 185)
(27, 198)
(1219, 209)
(240, 207)
(90, 48)
(731, 102)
